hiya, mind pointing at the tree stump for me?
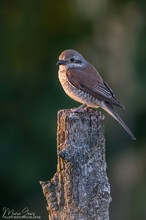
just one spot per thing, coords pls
(79, 189)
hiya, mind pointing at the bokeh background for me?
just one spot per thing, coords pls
(111, 34)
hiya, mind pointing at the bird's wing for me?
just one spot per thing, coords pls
(91, 82)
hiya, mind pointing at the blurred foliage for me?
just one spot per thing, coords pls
(111, 34)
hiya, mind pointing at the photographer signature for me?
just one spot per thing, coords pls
(24, 214)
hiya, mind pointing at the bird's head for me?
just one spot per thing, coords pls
(71, 59)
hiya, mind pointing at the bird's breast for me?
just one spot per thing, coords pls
(76, 93)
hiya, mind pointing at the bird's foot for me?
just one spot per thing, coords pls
(89, 109)
(81, 109)
(101, 116)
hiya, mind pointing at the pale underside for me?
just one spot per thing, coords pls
(77, 94)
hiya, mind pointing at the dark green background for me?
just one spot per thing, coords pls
(112, 36)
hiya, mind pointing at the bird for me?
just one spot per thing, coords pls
(82, 82)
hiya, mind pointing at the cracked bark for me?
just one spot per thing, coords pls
(79, 189)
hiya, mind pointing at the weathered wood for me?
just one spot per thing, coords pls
(79, 190)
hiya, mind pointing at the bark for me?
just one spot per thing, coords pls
(79, 189)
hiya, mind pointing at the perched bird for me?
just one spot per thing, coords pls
(81, 81)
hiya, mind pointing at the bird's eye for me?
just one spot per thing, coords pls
(72, 59)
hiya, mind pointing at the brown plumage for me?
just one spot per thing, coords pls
(81, 81)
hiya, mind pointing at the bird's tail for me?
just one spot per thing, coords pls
(108, 108)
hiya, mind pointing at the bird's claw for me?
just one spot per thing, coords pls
(80, 109)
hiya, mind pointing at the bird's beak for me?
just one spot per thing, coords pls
(61, 62)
